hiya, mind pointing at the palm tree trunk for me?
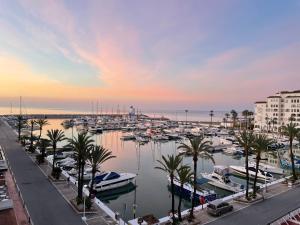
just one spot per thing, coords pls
(247, 171)
(173, 193)
(92, 182)
(255, 178)
(31, 138)
(79, 193)
(54, 156)
(19, 131)
(195, 185)
(40, 133)
(80, 184)
(292, 159)
(179, 203)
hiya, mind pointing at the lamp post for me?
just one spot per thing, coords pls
(84, 217)
(211, 114)
(186, 112)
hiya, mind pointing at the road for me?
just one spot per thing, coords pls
(263, 212)
(45, 204)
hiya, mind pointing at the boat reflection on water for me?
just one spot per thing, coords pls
(113, 194)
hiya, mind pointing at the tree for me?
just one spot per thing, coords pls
(211, 114)
(267, 122)
(245, 114)
(41, 123)
(197, 147)
(97, 156)
(246, 139)
(261, 144)
(31, 124)
(291, 131)
(185, 175)
(227, 115)
(55, 136)
(43, 144)
(234, 116)
(21, 123)
(169, 165)
(82, 145)
(225, 122)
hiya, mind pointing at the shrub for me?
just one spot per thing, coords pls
(56, 172)
(39, 158)
(88, 203)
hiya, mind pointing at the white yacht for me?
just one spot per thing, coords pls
(268, 168)
(261, 175)
(160, 137)
(111, 180)
(95, 129)
(188, 190)
(127, 137)
(141, 139)
(220, 177)
(233, 150)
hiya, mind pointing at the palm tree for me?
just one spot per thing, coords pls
(185, 175)
(224, 122)
(82, 145)
(291, 131)
(211, 114)
(55, 136)
(227, 115)
(43, 145)
(169, 165)
(261, 144)
(245, 114)
(234, 116)
(31, 124)
(21, 122)
(41, 123)
(267, 122)
(97, 156)
(197, 148)
(246, 139)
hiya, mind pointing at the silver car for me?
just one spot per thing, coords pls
(218, 207)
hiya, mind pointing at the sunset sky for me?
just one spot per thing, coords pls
(214, 54)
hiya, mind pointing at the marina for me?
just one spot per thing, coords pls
(139, 158)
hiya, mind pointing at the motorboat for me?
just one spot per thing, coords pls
(95, 129)
(220, 177)
(111, 180)
(233, 150)
(160, 137)
(188, 190)
(268, 168)
(67, 162)
(262, 175)
(141, 139)
(127, 137)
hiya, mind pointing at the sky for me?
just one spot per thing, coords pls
(171, 54)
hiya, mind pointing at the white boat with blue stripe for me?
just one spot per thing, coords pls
(110, 180)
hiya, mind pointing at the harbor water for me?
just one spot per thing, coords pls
(150, 191)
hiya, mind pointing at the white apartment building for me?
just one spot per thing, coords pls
(277, 110)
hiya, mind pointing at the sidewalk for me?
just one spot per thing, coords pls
(19, 211)
(278, 199)
(69, 192)
(45, 205)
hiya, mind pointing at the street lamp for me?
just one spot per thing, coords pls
(211, 114)
(84, 217)
(186, 112)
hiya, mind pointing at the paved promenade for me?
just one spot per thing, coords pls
(263, 212)
(45, 205)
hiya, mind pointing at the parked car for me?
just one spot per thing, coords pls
(218, 207)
